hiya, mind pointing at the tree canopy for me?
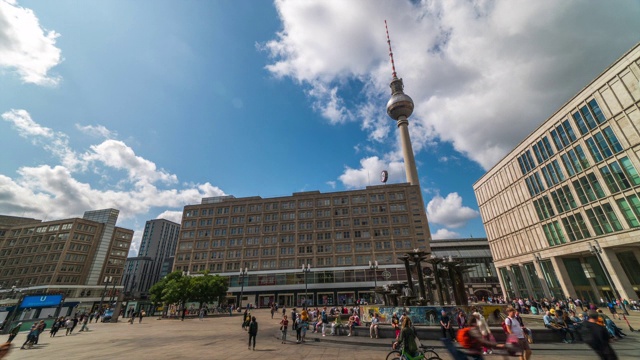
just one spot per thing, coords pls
(178, 288)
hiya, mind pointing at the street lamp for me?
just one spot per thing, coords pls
(374, 266)
(305, 270)
(243, 274)
(107, 281)
(597, 251)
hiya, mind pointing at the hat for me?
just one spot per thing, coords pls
(552, 311)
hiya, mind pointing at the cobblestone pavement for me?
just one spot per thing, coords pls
(223, 338)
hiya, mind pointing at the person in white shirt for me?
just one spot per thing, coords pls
(514, 328)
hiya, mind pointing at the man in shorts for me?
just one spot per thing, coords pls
(513, 327)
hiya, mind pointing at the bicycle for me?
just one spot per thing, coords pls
(425, 352)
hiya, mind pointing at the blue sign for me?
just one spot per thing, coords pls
(40, 301)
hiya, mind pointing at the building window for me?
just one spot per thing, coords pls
(575, 227)
(603, 219)
(553, 233)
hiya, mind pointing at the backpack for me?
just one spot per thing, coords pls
(464, 339)
(504, 326)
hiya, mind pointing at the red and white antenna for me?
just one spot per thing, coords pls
(393, 66)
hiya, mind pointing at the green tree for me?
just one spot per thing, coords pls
(208, 288)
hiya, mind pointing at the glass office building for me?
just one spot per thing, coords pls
(562, 210)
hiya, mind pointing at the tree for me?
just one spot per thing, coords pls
(208, 288)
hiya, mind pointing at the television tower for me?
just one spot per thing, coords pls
(399, 108)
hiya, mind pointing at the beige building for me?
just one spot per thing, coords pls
(562, 210)
(69, 256)
(338, 234)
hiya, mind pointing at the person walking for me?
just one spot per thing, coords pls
(597, 337)
(14, 332)
(84, 325)
(201, 314)
(253, 331)
(514, 328)
(141, 314)
(284, 323)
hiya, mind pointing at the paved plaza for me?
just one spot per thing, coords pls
(223, 338)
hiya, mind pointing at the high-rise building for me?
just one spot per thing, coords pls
(158, 243)
(71, 256)
(311, 248)
(562, 210)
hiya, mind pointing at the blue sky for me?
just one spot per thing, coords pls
(146, 106)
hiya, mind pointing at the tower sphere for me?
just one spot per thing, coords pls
(399, 105)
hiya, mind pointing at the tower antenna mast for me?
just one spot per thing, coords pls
(393, 66)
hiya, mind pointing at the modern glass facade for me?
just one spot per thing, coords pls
(569, 193)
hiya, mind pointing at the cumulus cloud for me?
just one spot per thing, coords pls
(483, 74)
(370, 170)
(449, 211)
(175, 216)
(442, 234)
(25, 47)
(47, 191)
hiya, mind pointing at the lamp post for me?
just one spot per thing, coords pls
(305, 269)
(107, 281)
(374, 266)
(243, 274)
(597, 251)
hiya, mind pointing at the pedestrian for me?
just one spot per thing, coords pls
(597, 337)
(325, 320)
(445, 326)
(253, 331)
(97, 316)
(41, 326)
(131, 318)
(297, 323)
(68, 325)
(74, 322)
(284, 323)
(141, 314)
(201, 314)
(91, 317)
(407, 338)
(514, 328)
(31, 337)
(273, 310)
(14, 332)
(84, 325)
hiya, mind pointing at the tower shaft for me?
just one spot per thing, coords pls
(410, 168)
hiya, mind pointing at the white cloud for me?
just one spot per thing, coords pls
(449, 211)
(25, 46)
(55, 192)
(332, 184)
(97, 130)
(369, 172)
(444, 234)
(175, 216)
(483, 74)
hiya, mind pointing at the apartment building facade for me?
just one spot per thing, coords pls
(337, 234)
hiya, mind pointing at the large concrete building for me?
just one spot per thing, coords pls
(338, 234)
(158, 244)
(70, 256)
(562, 210)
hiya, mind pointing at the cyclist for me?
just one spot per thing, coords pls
(407, 338)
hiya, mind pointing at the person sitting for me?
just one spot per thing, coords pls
(563, 327)
(351, 324)
(373, 329)
(335, 325)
